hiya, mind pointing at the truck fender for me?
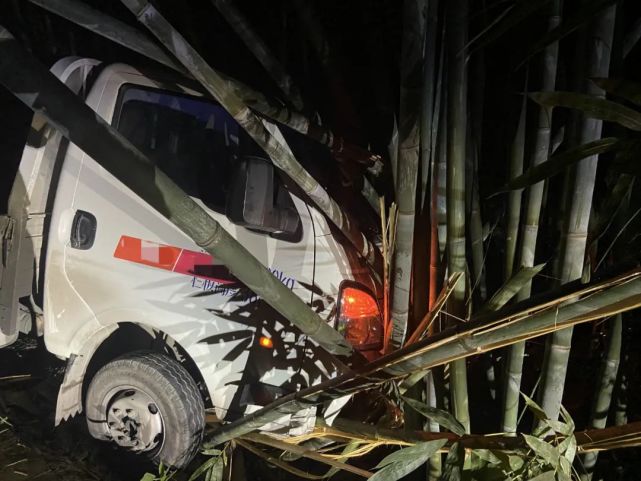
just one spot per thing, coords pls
(69, 401)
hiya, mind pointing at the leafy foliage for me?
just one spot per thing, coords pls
(402, 462)
(443, 418)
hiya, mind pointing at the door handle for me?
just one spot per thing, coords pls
(83, 230)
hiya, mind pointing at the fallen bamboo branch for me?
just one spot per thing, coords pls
(126, 36)
(276, 461)
(467, 339)
(261, 52)
(615, 437)
(292, 448)
(277, 149)
(426, 322)
(42, 92)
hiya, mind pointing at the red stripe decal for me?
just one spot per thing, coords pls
(181, 261)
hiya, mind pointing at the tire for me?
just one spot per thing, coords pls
(147, 403)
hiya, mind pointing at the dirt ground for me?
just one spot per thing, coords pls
(30, 446)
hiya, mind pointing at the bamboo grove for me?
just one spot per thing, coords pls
(509, 214)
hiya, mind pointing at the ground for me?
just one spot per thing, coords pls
(30, 447)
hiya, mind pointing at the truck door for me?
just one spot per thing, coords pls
(129, 264)
(22, 230)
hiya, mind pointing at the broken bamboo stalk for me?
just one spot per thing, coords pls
(126, 36)
(409, 129)
(595, 301)
(591, 440)
(42, 92)
(276, 149)
(257, 47)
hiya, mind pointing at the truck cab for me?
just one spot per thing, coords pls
(154, 330)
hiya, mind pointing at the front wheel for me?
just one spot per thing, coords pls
(147, 403)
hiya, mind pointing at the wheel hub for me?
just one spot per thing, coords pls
(134, 420)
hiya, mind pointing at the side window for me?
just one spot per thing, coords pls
(192, 140)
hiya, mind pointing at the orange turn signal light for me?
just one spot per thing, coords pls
(266, 342)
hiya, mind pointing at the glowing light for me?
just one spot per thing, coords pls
(266, 342)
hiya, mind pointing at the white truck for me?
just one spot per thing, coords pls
(154, 330)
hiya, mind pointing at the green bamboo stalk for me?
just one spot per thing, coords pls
(575, 237)
(474, 148)
(472, 338)
(277, 150)
(457, 11)
(441, 175)
(263, 54)
(476, 232)
(35, 86)
(517, 152)
(408, 163)
(530, 228)
(429, 114)
(603, 398)
(123, 34)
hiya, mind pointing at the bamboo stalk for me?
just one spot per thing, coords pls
(472, 338)
(276, 461)
(277, 150)
(575, 237)
(456, 153)
(530, 228)
(603, 397)
(408, 164)
(37, 88)
(275, 443)
(517, 153)
(123, 34)
(590, 440)
(263, 54)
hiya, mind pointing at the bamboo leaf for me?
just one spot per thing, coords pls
(214, 464)
(512, 462)
(542, 450)
(623, 88)
(351, 447)
(558, 163)
(566, 467)
(402, 462)
(537, 410)
(591, 106)
(547, 476)
(565, 415)
(412, 452)
(443, 418)
(570, 451)
(454, 461)
(512, 287)
(559, 427)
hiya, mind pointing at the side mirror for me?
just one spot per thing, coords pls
(251, 201)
